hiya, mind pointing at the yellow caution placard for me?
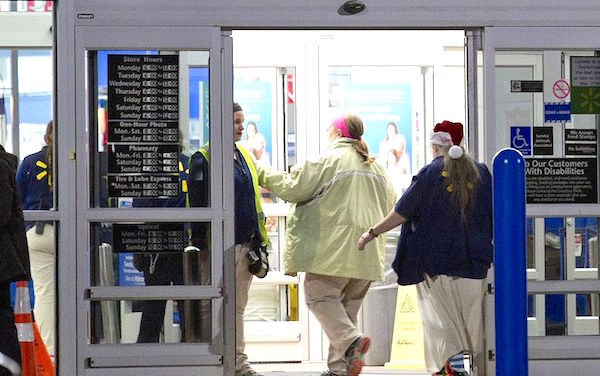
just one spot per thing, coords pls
(407, 340)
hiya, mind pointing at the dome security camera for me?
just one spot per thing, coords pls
(351, 7)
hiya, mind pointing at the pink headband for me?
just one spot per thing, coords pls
(339, 123)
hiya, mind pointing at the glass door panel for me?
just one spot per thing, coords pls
(390, 102)
(542, 104)
(143, 134)
(152, 219)
(272, 326)
(523, 109)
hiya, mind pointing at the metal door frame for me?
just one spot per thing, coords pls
(76, 355)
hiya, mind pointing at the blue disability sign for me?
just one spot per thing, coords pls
(520, 139)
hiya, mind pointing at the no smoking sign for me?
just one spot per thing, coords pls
(561, 89)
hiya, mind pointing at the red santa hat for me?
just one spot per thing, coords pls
(447, 133)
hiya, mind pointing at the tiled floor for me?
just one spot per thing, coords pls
(315, 369)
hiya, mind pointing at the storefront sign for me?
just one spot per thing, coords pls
(561, 180)
(557, 112)
(155, 237)
(579, 149)
(585, 84)
(136, 159)
(581, 142)
(543, 141)
(143, 125)
(143, 131)
(143, 186)
(580, 135)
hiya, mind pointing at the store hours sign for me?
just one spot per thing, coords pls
(143, 125)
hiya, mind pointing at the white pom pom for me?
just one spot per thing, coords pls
(455, 152)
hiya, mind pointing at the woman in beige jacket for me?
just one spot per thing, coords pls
(332, 200)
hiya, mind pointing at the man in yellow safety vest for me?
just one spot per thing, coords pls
(250, 233)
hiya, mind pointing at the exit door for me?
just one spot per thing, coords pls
(148, 303)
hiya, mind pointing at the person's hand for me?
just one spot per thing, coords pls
(364, 239)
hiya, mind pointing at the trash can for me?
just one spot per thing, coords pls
(379, 307)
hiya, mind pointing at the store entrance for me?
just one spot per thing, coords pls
(146, 99)
(291, 84)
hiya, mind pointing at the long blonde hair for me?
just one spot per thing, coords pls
(356, 129)
(461, 180)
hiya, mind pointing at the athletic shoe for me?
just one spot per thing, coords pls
(446, 371)
(251, 372)
(355, 355)
(331, 373)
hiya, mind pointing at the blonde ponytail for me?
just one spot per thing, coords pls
(355, 127)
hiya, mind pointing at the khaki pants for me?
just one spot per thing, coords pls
(335, 302)
(42, 260)
(452, 314)
(243, 279)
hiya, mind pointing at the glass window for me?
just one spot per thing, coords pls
(389, 100)
(150, 133)
(5, 100)
(568, 249)
(33, 85)
(29, 90)
(255, 90)
(35, 77)
(585, 243)
(149, 254)
(150, 321)
(144, 254)
(266, 96)
(26, 6)
(26, 130)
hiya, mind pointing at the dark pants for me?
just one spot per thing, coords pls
(168, 269)
(9, 343)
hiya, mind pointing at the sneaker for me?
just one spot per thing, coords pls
(445, 371)
(449, 371)
(331, 373)
(355, 355)
(251, 372)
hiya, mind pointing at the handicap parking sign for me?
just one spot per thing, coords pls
(520, 139)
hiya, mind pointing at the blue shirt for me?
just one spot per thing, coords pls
(246, 221)
(32, 180)
(435, 240)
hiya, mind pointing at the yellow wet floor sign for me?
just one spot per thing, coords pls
(407, 340)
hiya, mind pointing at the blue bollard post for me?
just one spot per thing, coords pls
(509, 263)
